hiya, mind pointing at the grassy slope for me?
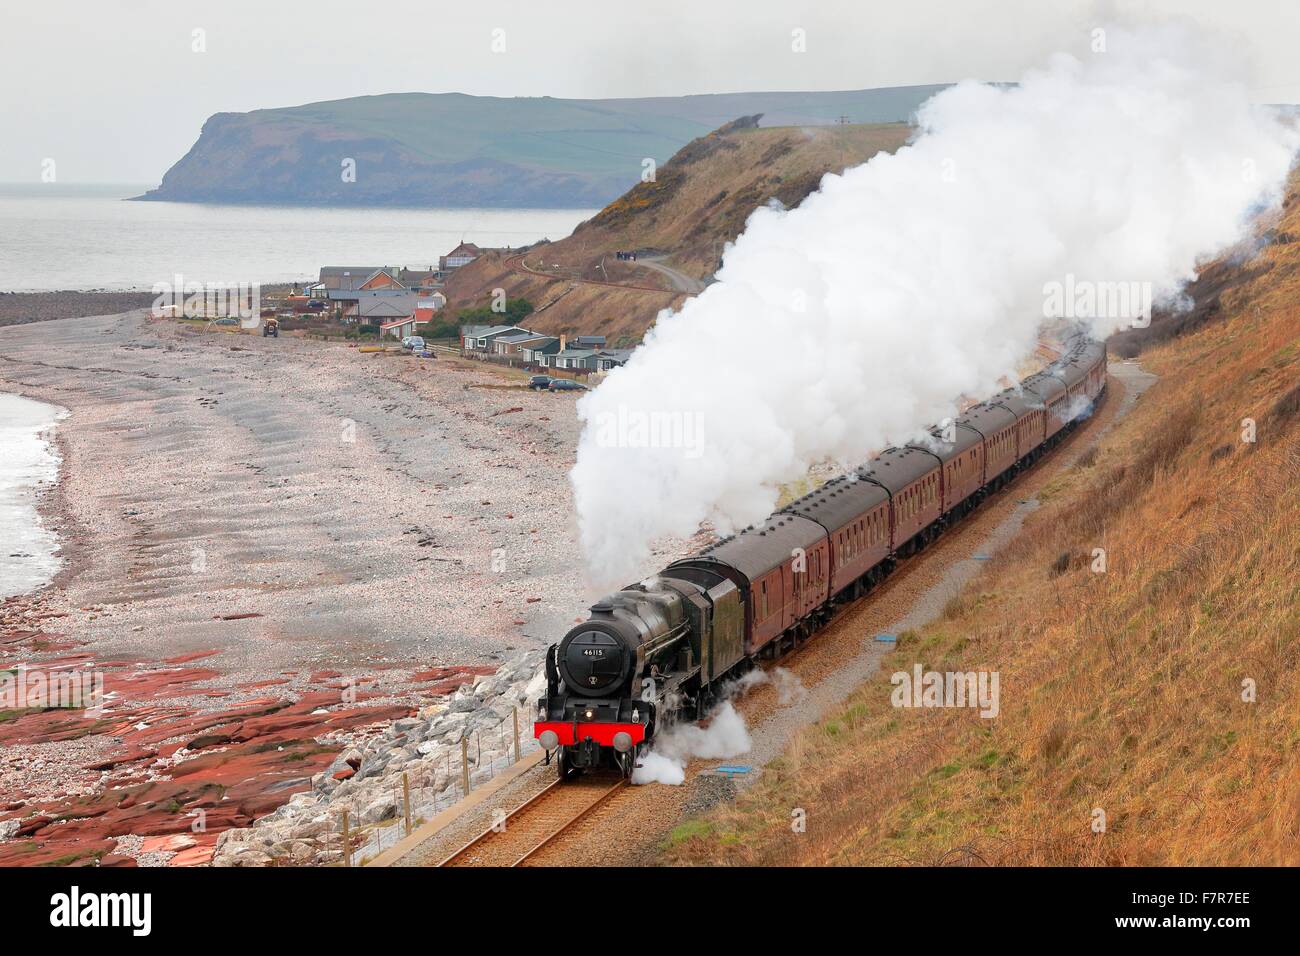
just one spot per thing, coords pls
(698, 201)
(451, 149)
(568, 135)
(1120, 691)
(601, 136)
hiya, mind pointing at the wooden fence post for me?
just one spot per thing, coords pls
(406, 800)
(464, 765)
(347, 841)
(515, 711)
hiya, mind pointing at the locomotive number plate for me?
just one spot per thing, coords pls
(593, 652)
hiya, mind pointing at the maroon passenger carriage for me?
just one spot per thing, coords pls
(662, 649)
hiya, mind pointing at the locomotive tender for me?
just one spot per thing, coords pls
(660, 649)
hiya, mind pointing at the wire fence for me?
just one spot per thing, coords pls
(465, 766)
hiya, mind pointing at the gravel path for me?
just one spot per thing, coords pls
(680, 280)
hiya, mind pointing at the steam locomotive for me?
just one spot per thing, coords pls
(661, 649)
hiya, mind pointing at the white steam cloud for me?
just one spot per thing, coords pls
(860, 317)
(726, 736)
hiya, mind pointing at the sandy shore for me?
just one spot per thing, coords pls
(365, 507)
(251, 526)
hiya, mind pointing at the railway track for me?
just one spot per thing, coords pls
(535, 823)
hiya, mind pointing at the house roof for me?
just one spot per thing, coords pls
(359, 294)
(347, 277)
(474, 331)
(465, 249)
(379, 310)
(520, 337)
(496, 330)
(618, 355)
(392, 305)
(395, 323)
(326, 271)
(589, 339)
(575, 353)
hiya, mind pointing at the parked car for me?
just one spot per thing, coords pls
(539, 381)
(226, 321)
(566, 385)
(413, 343)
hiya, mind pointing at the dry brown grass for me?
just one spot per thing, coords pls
(1121, 691)
(699, 201)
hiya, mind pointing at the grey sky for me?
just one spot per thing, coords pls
(112, 90)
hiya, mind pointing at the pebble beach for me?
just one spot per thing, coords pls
(266, 541)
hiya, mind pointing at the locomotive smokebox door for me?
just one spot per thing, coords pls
(594, 662)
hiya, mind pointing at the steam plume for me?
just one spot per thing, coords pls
(860, 317)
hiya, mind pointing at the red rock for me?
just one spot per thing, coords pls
(434, 673)
(268, 752)
(170, 844)
(186, 658)
(194, 856)
(53, 852)
(129, 756)
(344, 774)
(319, 676)
(29, 827)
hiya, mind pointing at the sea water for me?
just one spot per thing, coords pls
(86, 237)
(29, 463)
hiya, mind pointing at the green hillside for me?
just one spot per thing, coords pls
(453, 149)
